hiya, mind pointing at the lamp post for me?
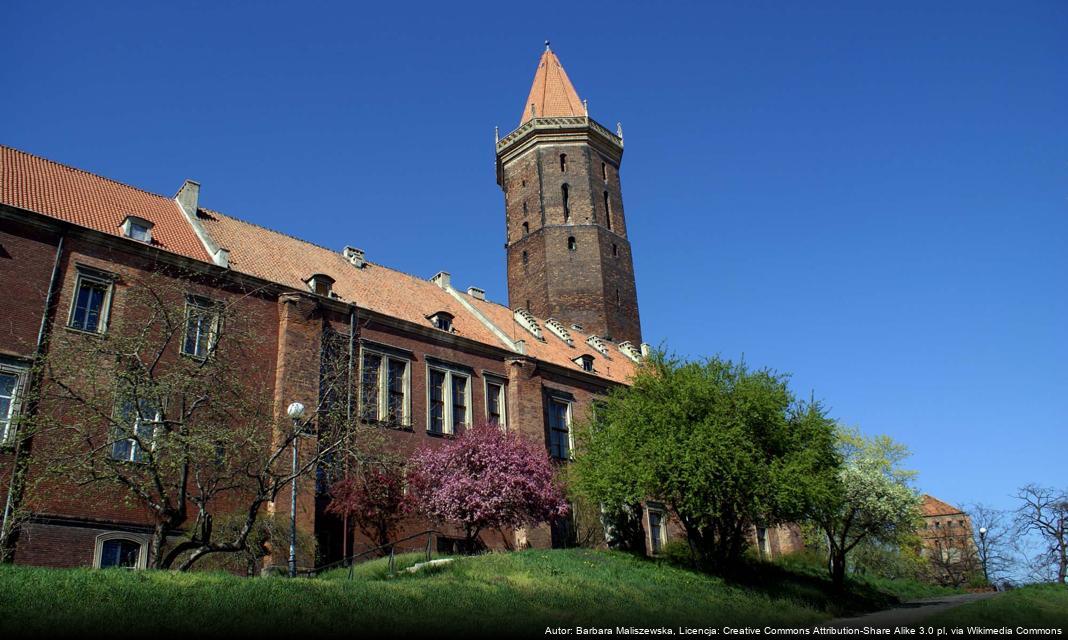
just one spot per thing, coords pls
(982, 545)
(295, 412)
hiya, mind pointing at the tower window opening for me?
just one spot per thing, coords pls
(571, 244)
(604, 171)
(526, 258)
(563, 163)
(615, 251)
(567, 205)
(524, 206)
(608, 210)
(526, 229)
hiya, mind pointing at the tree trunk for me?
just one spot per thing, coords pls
(159, 537)
(838, 567)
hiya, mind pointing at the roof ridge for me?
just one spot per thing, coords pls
(85, 171)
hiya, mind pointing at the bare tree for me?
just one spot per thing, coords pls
(165, 409)
(1043, 512)
(993, 537)
(952, 557)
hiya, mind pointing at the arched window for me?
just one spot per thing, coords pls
(567, 205)
(608, 210)
(526, 229)
(120, 550)
(571, 244)
(563, 163)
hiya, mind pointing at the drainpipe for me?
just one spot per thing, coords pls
(348, 419)
(9, 503)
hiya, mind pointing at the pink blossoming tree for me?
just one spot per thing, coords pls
(487, 479)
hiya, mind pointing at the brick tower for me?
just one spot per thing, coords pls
(568, 253)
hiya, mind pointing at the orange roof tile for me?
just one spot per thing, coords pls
(932, 506)
(88, 200)
(280, 258)
(616, 367)
(552, 93)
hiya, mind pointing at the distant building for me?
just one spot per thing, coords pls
(947, 542)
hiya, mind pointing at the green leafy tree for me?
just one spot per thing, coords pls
(722, 446)
(873, 502)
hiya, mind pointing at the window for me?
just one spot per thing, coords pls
(763, 543)
(120, 550)
(524, 206)
(449, 401)
(384, 384)
(10, 385)
(585, 361)
(615, 251)
(136, 420)
(657, 534)
(563, 163)
(567, 206)
(137, 229)
(321, 284)
(526, 229)
(201, 327)
(526, 259)
(442, 320)
(572, 245)
(559, 428)
(608, 210)
(495, 413)
(604, 171)
(92, 300)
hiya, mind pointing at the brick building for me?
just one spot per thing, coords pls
(430, 359)
(947, 542)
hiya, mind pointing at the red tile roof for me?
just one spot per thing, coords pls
(931, 507)
(552, 93)
(82, 198)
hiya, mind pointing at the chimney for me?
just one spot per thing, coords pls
(188, 197)
(442, 279)
(355, 256)
(476, 293)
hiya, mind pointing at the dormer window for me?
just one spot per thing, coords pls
(137, 229)
(321, 284)
(585, 361)
(442, 320)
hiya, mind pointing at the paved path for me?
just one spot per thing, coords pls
(910, 613)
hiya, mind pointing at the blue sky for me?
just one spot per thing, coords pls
(870, 196)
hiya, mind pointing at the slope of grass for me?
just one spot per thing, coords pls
(521, 593)
(1034, 606)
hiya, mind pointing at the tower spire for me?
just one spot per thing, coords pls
(551, 93)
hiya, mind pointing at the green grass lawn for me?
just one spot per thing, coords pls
(522, 593)
(1034, 606)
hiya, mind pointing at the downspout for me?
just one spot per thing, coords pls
(38, 352)
(348, 419)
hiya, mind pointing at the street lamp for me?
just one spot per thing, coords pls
(982, 544)
(295, 412)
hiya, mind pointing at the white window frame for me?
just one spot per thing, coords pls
(128, 225)
(10, 421)
(207, 306)
(487, 380)
(142, 556)
(570, 429)
(447, 417)
(136, 452)
(383, 387)
(649, 511)
(105, 304)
